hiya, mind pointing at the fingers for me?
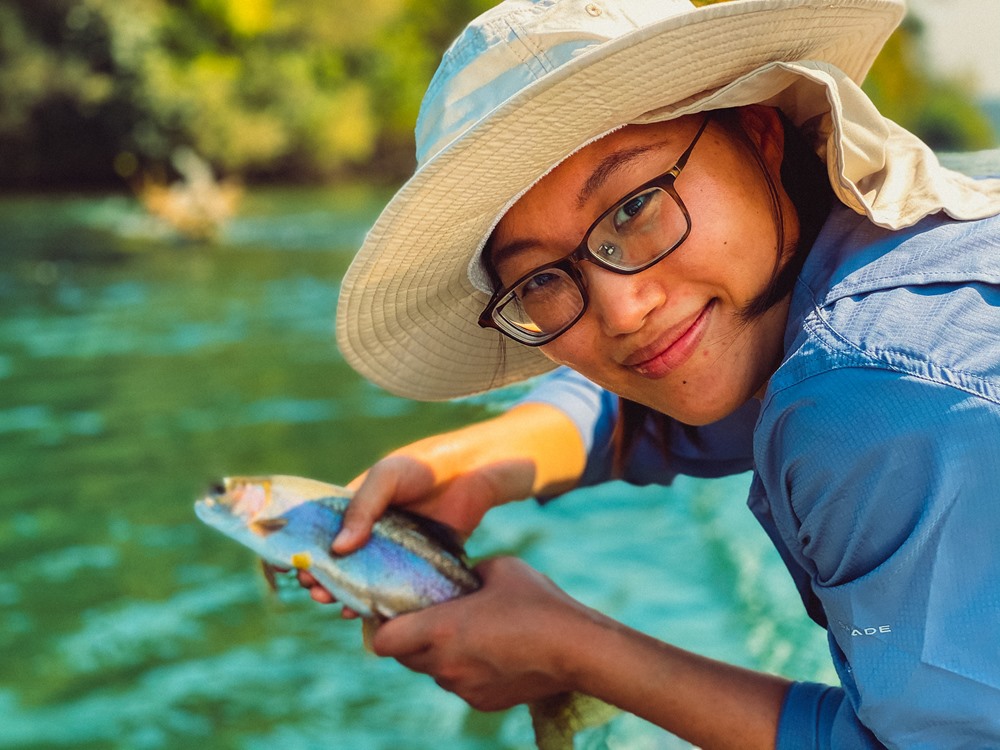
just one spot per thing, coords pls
(407, 639)
(306, 579)
(355, 484)
(321, 595)
(316, 591)
(460, 644)
(375, 491)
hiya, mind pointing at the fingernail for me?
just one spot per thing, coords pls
(343, 537)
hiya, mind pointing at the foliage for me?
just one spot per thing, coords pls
(292, 90)
(941, 111)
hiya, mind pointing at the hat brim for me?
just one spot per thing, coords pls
(407, 312)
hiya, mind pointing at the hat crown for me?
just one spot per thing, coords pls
(510, 47)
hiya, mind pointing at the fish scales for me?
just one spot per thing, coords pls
(409, 563)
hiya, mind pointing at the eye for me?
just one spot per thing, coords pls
(609, 251)
(540, 283)
(631, 208)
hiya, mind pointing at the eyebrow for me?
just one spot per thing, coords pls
(605, 169)
(608, 166)
(492, 256)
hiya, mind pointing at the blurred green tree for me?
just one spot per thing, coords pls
(263, 89)
(941, 111)
(293, 90)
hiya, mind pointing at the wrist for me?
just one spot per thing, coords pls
(579, 640)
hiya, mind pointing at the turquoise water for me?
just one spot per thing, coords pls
(135, 368)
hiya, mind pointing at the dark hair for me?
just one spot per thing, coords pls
(804, 177)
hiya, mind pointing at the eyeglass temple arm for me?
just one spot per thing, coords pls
(683, 158)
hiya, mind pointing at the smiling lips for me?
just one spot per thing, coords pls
(672, 349)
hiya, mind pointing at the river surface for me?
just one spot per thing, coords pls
(135, 368)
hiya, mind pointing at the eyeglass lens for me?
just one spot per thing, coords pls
(632, 236)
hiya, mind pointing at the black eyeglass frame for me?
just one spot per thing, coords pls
(490, 318)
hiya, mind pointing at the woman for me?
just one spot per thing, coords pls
(697, 209)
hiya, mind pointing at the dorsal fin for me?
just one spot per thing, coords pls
(441, 534)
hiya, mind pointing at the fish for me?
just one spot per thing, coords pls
(409, 563)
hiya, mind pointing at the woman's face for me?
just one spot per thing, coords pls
(671, 337)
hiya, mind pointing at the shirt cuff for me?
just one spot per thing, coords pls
(807, 716)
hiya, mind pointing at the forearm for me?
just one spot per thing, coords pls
(533, 449)
(713, 705)
(520, 638)
(456, 477)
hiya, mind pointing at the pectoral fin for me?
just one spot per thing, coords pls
(265, 526)
(269, 570)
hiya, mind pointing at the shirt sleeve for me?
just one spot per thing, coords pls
(885, 489)
(593, 411)
(817, 716)
(715, 450)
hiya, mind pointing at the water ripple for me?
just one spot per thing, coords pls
(133, 633)
(42, 418)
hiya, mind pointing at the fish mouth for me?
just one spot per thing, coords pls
(214, 494)
(245, 496)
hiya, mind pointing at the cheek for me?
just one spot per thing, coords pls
(563, 352)
(736, 239)
(729, 198)
(578, 349)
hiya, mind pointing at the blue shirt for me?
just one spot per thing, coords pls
(876, 458)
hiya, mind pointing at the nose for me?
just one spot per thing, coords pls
(622, 302)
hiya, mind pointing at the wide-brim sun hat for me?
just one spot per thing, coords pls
(530, 82)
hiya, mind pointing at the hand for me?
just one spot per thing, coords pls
(458, 476)
(506, 644)
(402, 480)
(421, 484)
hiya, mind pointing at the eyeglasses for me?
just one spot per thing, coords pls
(637, 232)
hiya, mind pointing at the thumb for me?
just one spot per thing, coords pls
(373, 494)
